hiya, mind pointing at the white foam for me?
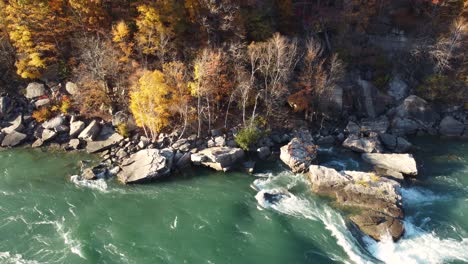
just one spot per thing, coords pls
(99, 184)
(8, 258)
(74, 245)
(419, 196)
(419, 247)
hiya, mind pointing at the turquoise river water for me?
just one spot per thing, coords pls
(47, 216)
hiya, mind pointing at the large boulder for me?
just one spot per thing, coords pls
(35, 90)
(76, 127)
(404, 126)
(15, 126)
(395, 143)
(378, 125)
(13, 139)
(48, 135)
(373, 195)
(451, 127)
(218, 158)
(90, 132)
(402, 163)
(146, 165)
(298, 154)
(417, 109)
(398, 89)
(53, 123)
(104, 141)
(361, 144)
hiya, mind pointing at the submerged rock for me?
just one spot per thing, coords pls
(299, 154)
(374, 195)
(146, 165)
(218, 158)
(402, 163)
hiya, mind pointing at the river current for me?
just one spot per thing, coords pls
(49, 216)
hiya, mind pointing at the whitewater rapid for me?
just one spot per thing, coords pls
(417, 246)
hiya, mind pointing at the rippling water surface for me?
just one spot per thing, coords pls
(47, 216)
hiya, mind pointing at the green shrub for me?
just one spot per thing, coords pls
(247, 137)
(122, 129)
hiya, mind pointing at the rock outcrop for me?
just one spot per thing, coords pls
(402, 163)
(218, 158)
(146, 165)
(298, 154)
(378, 199)
(451, 127)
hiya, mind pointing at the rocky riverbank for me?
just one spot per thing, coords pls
(134, 158)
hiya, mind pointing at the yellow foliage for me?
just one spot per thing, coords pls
(149, 103)
(121, 36)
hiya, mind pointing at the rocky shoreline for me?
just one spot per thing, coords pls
(137, 159)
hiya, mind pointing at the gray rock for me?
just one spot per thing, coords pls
(218, 158)
(54, 122)
(2, 136)
(216, 133)
(146, 165)
(263, 152)
(35, 90)
(395, 143)
(403, 163)
(121, 154)
(4, 106)
(76, 127)
(62, 129)
(362, 145)
(74, 144)
(404, 126)
(72, 88)
(379, 125)
(88, 174)
(90, 132)
(103, 142)
(451, 127)
(48, 135)
(367, 191)
(298, 154)
(352, 128)
(13, 139)
(418, 109)
(15, 126)
(42, 102)
(185, 161)
(38, 143)
(398, 89)
(220, 141)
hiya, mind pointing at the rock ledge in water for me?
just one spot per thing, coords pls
(145, 165)
(402, 163)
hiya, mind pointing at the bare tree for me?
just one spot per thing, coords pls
(446, 47)
(275, 60)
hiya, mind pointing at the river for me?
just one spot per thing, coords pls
(46, 216)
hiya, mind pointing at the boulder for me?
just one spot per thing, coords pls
(220, 141)
(379, 125)
(104, 142)
(35, 90)
(185, 161)
(395, 143)
(90, 132)
(402, 163)
(417, 109)
(404, 126)
(15, 126)
(263, 152)
(42, 102)
(76, 127)
(13, 139)
(122, 117)
(352, 128)
(38, 143)
(398, 89)
(74, 144)
(374, 195)
(218, 158)
(451, 127)
(298, 154)
(54, 122)
(362, 145)
(72, 88)
(48, 135)
(146, 165)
